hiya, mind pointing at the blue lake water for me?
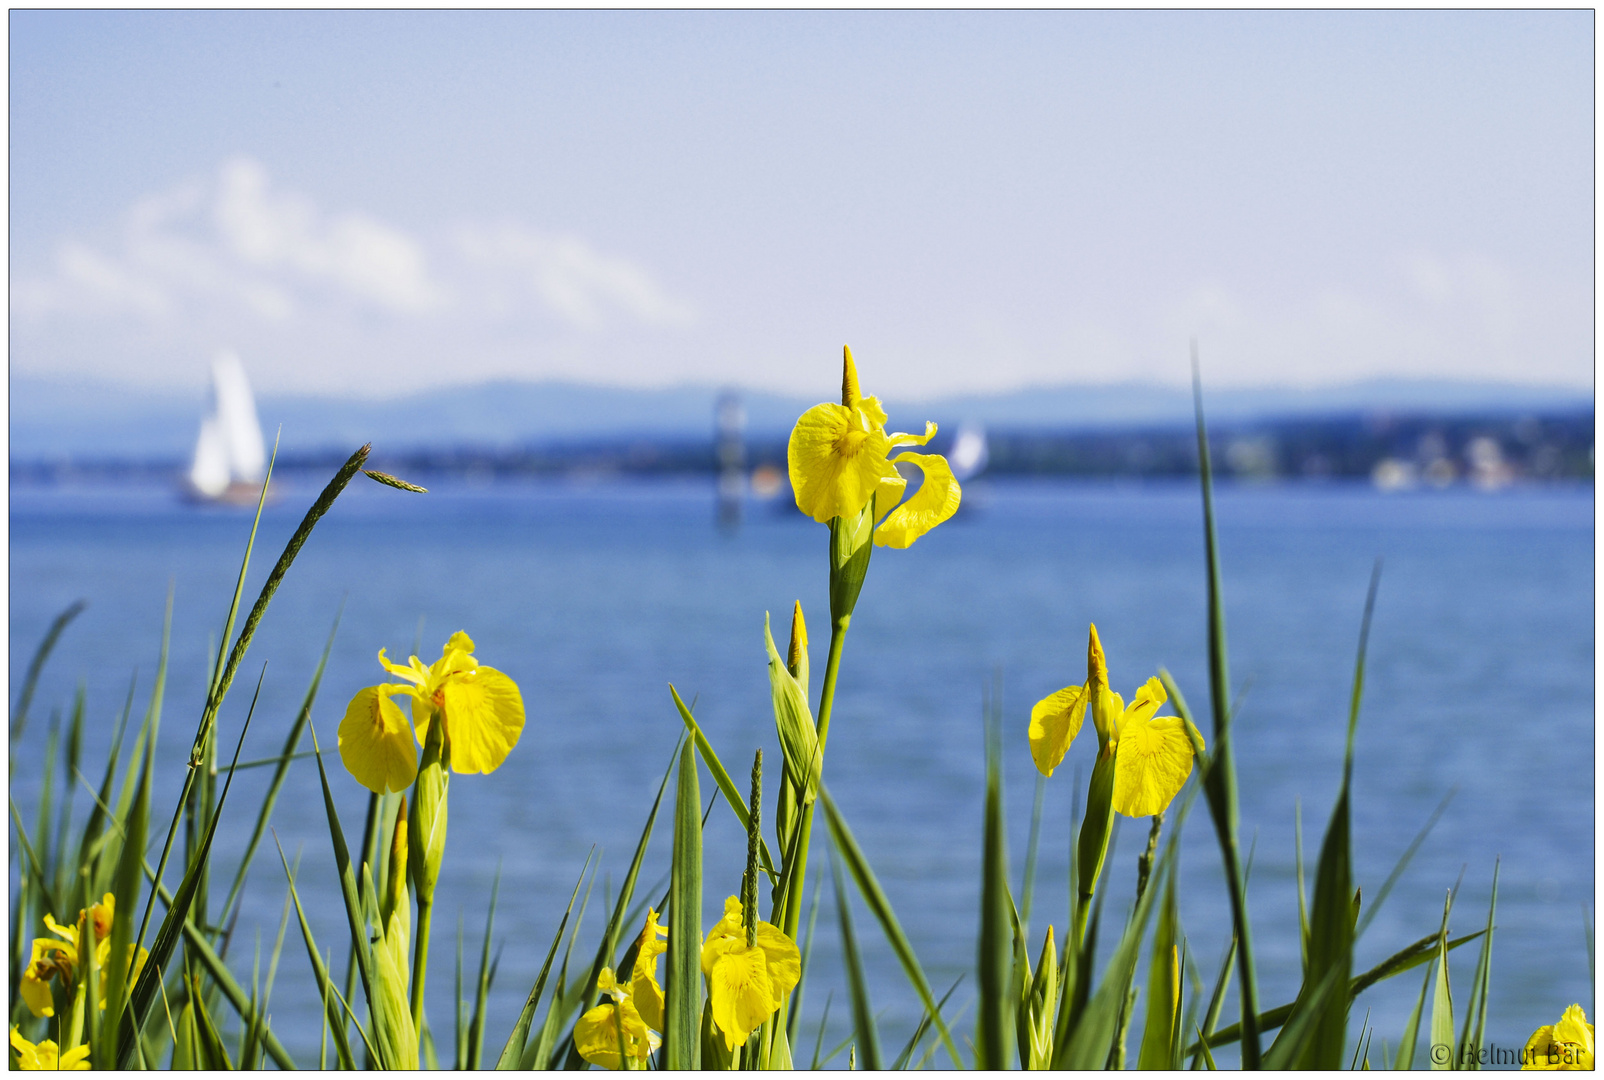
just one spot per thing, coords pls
(596, 597)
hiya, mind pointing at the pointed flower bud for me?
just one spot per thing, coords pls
(850, 395)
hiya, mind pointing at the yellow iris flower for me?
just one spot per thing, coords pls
(57, 957)
(46, 1056)
(612, 1025)
(1152, 754)
(1565, 1045)
(747, 983)
(838, 461)
(480, 708)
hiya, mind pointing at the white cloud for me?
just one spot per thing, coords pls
(323, 297)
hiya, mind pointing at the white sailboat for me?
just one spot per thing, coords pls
(230, 456)
(969, 453)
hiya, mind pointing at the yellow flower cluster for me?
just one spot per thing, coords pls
(1152, 754)
(746, 984)
(838, 458)
(624, 1031)
(46, 1056)
(1565, 1045)
(481, 711)
(58, 958)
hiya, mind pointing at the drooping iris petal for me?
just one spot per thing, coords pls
(741, 992)
(603, 1030)
(48, 959)
(747, 983)
(376, 741)
(103, 958)
(784, 961)
(1153, 760)
(936, 500)
(484, 716)
(1055, 720)
(836, 458)
(903, 438)
(644, 988)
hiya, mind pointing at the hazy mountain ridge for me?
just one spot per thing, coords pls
(51, 419)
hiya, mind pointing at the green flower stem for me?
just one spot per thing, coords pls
(420, 961)
(832, 668)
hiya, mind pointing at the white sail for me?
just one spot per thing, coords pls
(209, 472)
(229, 452)
(235, 410)
(969, 452)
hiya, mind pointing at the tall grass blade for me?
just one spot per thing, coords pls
(320, 973)
(282, 767)
(355, 916)
(793, 1020)
(1300, 1027)
(512, 1052)
(921, 1030)
(168, 933)
(863, 1025)
(721, 777)
(682, 1013)
(998, 997)
(1163, 989)
(1406, 1045)
(127, 881)
(36, 666)
(873, 895)
(1472, 1034)
(615, 922)
(476, 1026)
(1027, 887)
(1403, 862)
(1442, 999)
(1219, 777)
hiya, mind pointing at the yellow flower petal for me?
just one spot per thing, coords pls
(102, 914)
(601, 1031)
(1153, 760)
(836, 457)
(1144, 704)
(936, 500)
(66, 933)
(44, 1057)
(376, 741)
(1564, 1046)
(1055, 720)
(741, 992)
(725, 932)
(484, 716)
(902, 438)
(644, 988)
(783, 959)
(36, 993)
(412, 672)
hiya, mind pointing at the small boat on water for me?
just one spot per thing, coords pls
(969, 453)
(230, 457)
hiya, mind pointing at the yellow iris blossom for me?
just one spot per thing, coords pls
(58, 957)
(46, 1056)
(1152, 754)
(644, 988)
(612, 1025)
(839, 462)
(481, 711)
(747, 983)
(1565, 1045)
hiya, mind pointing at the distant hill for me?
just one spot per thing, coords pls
(54, 420)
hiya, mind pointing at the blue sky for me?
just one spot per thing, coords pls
(371, 202)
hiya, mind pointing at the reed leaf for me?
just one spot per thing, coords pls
(36, 666)
(512, 1052)
(682, 1012)
(873, 895)
(863, 1025)
(1219, 777)
(721, 777)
